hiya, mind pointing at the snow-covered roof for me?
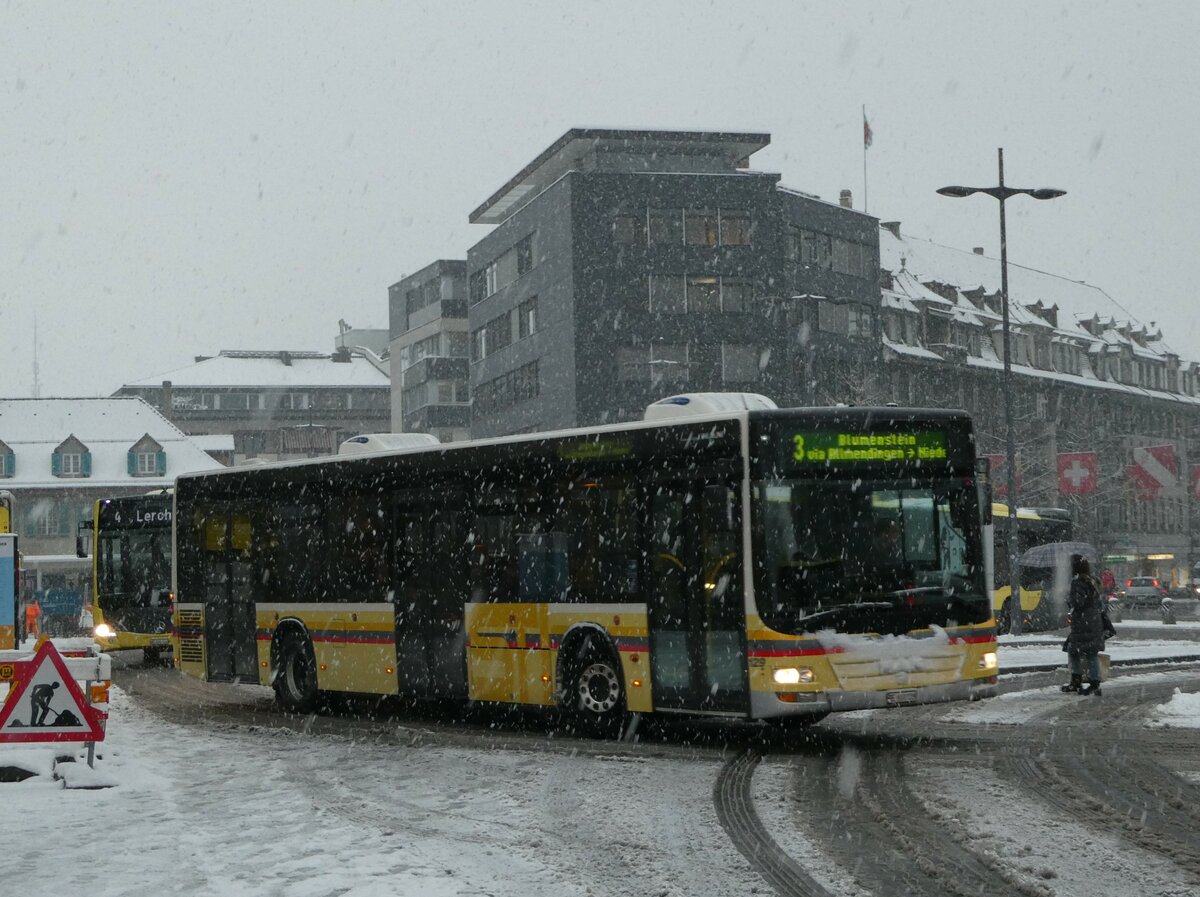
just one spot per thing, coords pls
(1084, 313)
(233, 368)
(213, 442)
(108, 427)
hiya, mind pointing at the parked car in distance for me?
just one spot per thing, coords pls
(1143, 590)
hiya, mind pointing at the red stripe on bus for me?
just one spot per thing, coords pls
(794, 652)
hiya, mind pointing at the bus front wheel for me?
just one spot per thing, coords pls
(594, 697)
(296, 676)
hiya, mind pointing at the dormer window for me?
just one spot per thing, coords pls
(146, 458)
(71, 459)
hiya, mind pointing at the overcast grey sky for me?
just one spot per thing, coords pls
(177, 178)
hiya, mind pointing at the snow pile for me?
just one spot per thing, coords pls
(893, 653)
(1181, 712)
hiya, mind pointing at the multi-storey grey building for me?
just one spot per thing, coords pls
(627, 265)
(427, 318)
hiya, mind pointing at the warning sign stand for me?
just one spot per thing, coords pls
(45, 702)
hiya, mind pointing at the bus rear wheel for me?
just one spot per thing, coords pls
(296, 676)
(594, 698)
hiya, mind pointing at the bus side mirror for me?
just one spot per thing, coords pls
(83, 539)
(983, 476)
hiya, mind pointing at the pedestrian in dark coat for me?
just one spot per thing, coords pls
(1086, 640)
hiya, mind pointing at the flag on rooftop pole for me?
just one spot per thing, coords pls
(867, 137)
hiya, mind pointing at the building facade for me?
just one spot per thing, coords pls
(431, 377)
(626, 265)
(59, 456)
(278, 405)
(1107, 415)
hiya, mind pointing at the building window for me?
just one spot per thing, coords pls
(479, 344)
(739, 364)
(478, 286)
(525, 256)
(859, 321)
(71, 464)
(668, 364)
(667, 293)
(703, 295)
(147, 464)
(666, 226)
(832, 317)
(527, 318)
(499, 333)
(48, 518)
(507, 390)
(815, 249)
(630, 229)
(735, 294)
(429, 347)
(701, 227)
(735, 227)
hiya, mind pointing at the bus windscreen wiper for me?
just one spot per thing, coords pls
(847, 608)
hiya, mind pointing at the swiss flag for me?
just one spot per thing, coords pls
(1154, 468)
(999, 467)
(1077, 472)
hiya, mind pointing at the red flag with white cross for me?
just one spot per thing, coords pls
(1077, 472)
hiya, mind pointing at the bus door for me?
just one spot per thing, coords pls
(694, 596)
(429, 592)
(228, 598)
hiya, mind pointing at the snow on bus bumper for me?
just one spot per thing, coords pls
(766, 705)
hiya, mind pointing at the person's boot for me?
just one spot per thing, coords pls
(1093, 688)
(1074, 685)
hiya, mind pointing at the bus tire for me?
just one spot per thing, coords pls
(594, 696)
(295, 681)
(1004, 618)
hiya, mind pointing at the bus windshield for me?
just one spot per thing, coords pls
(867, 556)
(133, 568)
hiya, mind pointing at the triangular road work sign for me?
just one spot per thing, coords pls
(46, 703)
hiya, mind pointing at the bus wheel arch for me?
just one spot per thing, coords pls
(591, 680)
(294, 667)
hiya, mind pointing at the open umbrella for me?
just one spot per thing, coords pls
(1053, 553)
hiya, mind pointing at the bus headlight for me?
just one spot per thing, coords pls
(988, 661)
(793, 676)
(104, 631)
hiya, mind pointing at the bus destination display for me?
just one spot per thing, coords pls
(831, 447)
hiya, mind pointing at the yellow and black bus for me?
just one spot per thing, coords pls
(1035, 527)
(704, 561)
(131, 604)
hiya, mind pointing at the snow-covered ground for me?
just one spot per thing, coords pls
(241, 810)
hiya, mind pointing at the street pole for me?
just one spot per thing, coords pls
(1015, 610)
(1001, 193)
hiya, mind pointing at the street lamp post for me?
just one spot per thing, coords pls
(1001, 193)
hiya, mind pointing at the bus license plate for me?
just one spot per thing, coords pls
(901, 697)
(160, 643)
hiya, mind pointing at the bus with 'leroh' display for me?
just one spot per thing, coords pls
(131, 604)
(721, 557)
